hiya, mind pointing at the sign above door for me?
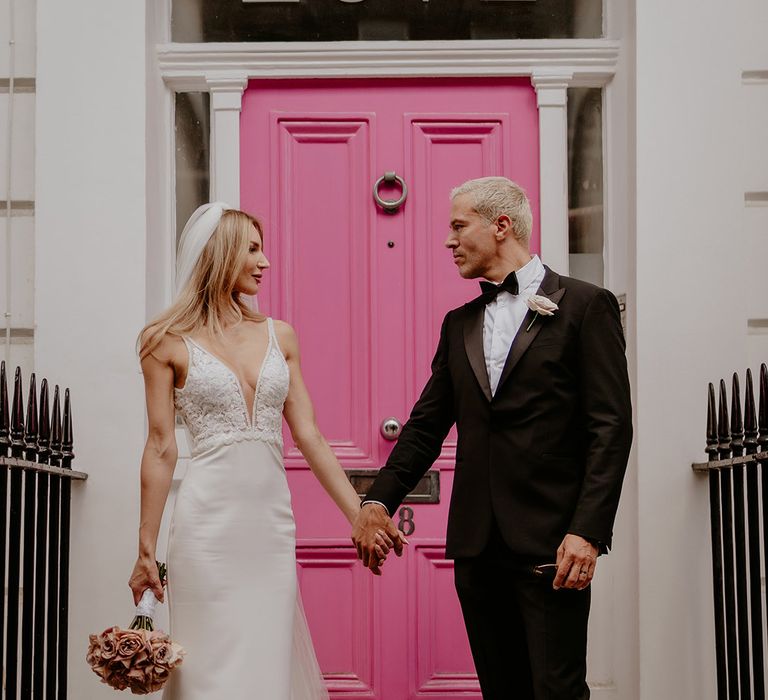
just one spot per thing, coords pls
(196, 21)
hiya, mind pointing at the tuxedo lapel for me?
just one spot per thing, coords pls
(473, 344)
(550, 288)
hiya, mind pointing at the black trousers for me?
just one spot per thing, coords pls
(528, 641)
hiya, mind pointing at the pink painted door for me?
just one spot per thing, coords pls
(366, 291)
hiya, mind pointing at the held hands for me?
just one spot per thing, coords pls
(144, 576)
(374, 535)
(576, 561)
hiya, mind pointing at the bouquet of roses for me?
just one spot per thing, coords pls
(140, 658)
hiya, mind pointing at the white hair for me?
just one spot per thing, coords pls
(494, 196)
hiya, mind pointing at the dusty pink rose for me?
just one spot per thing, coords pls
(128, 643)
(144, 654)
(108, 643)
(93, 655)
(117, 677)
(102, 649)
(168, 657)
(100, 669)
(158, 678)
(162, 654)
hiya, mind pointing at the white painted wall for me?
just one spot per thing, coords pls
(702, 141)
(91, 279)
(619, 261)
(24, 25)
(18, 123)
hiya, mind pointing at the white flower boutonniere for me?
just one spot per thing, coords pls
(542, 306)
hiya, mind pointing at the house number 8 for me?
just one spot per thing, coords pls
(406, 524)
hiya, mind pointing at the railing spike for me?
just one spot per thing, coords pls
(56, 430)
(750, 417)
(711, 424)
(17, 418)
(763, 411)
(753, 539)
(44, 434)
(737, 424)
(66, 443)
(723, 427)
(30, 436)
(5, 419)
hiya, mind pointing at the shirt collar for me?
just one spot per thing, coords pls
(529, 273)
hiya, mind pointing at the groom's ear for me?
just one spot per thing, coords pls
(503, 228)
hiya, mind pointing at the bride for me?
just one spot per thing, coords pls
(232, 374)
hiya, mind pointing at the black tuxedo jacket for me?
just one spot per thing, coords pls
(546, 454)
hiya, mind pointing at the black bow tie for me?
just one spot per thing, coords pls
(491, 290)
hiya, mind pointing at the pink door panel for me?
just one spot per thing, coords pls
(366, 292)
(443, 663)
(338, 601)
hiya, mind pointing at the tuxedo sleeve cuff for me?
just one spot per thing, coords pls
(379, 503)
(602, 547)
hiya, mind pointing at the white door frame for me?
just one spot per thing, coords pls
(223, 69)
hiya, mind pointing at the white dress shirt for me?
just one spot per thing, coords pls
(504, 316)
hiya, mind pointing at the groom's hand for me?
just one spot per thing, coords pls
(576, 561)
(374, 535)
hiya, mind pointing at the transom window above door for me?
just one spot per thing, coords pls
(373, 20)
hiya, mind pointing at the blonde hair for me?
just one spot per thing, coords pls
(209, 298)
(495, 196)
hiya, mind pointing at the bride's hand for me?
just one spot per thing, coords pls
(145, 575)
(374, 535)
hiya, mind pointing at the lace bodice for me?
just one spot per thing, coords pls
(212, 404)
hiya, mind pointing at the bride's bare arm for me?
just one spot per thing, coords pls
(157, 464)
(300, 416)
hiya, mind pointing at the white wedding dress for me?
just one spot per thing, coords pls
(232, 587)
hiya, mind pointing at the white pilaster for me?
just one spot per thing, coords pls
(226, 100)
(552, 97)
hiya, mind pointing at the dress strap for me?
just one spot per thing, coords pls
(273, 341)
(188, 344)
(271, 327)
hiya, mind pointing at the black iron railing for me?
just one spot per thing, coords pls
(738, 497)
(35, 486)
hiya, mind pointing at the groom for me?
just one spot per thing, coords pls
(534, 375)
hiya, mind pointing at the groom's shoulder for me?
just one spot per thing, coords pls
(459, 311)
(581, 288)
(455, 318)
(583, 294)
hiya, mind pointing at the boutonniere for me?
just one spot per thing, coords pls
(542, 306)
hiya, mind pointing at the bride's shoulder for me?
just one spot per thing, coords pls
(286, 336)
(169, 351)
